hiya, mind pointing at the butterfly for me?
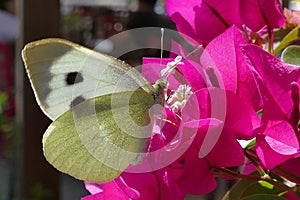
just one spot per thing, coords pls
(99, 106)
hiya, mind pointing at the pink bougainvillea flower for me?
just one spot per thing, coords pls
(277, 139)
(221, 66)
(203, 20)
(187, 175)
(290, 170)
(212, 104)
(230, 65)
(205, 133)
(173, 181)
(257, 14)
(291, 196)
(116, 189)
(235, 84)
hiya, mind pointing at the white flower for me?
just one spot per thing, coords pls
(178, 98)
(170, 66)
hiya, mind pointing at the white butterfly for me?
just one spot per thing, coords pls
(99, 106)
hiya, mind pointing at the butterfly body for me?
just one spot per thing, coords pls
(99, 106)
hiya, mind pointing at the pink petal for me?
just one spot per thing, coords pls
(216, 55)
(111, 190)
(267, 155)
(183, 15)
(210, 141)
(93, 188)
(295, 115)
(241, 119)
(238, 117)
(279, 144)
(145, 183)
(276, 75)
(193, 74)
(249, 168)
(290, 166)
(276, 140)
(227, 151)
(259, 13)
(210, 15)
(231, 68)
(215, 17)
(291, 196)
(208, 133)
(281, 137)
(197, 177)
(98, 196)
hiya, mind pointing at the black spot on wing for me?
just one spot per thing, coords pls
(77, 101)
(73, 77)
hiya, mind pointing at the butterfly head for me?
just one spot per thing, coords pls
(162, 84)
(160, 87)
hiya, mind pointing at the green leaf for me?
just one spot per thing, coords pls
(288, 39)
(251, 144)
(259, 113)
(237, 190)
(266, 184)
(291, 55)
(246, 188)
(264, 197)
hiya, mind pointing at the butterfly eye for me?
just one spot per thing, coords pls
(73, 77)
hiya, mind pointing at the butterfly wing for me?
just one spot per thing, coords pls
(64, 74)
(91, 142)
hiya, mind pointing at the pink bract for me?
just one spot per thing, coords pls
(257, 14)
(203, 20)
(277, 139)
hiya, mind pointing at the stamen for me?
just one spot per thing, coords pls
(179, 98)
(170, 66)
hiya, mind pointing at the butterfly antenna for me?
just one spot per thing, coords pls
(170, 66)
(162, 30)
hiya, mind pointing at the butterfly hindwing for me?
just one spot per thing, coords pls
(90, 142)
(64, 74)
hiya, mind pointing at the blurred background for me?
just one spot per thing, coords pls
(24, 172)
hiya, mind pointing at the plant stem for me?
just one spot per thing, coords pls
(260, 170)
(237, 175)
(270, 41)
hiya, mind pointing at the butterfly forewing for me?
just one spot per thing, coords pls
(64, 74)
